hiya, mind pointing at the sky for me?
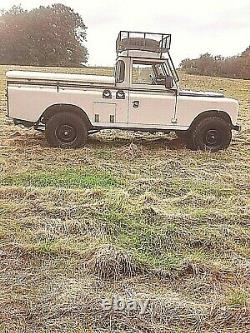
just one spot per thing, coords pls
(197, 26)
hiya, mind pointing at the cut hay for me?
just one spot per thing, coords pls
(108, 262)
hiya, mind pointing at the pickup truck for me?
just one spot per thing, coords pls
(143, 95)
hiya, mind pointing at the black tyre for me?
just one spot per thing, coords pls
(211, 134)
(66, 130)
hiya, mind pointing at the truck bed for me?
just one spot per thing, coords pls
(21, 76)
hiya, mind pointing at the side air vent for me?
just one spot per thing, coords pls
(107, 94)
(97, 118)
(120, 94)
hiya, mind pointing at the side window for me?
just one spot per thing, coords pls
(120, 71)
(142, 73)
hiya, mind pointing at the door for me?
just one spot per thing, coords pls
(150, 103)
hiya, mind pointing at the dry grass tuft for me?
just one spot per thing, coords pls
(132, 151)
(108, 262)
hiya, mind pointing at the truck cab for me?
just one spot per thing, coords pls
(147, 78)
(144, 95)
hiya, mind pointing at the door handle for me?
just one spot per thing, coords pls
(136, 104)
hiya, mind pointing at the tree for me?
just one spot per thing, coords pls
(235, 67)
(44, 36)
(246, 52)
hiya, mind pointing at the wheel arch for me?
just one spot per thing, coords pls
(52, 109)
(211, 113)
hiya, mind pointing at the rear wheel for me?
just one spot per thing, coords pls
(66, 130)
(211, 134)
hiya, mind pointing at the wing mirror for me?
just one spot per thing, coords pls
(169, 82)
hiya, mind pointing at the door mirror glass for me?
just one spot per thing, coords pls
(169, 82)
(120, 71)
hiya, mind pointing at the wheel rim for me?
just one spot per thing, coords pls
(66, 133)
(212, 138)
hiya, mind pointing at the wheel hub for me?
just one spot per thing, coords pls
(212, 137)
(66, 133)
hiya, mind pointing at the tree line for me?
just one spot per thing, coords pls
(206, 64)
(44, 36)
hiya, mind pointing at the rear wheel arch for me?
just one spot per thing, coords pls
(66, 130)
(55, 108)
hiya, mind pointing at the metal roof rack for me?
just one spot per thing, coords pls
(143, 41)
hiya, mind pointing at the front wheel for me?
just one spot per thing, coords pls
(212, 134)
(66, 130)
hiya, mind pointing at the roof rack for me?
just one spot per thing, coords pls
(143, 41)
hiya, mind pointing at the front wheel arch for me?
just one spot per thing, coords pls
(210, 113)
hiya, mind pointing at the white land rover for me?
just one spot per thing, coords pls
(144, 95)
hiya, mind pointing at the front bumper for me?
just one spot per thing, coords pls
(236, 128)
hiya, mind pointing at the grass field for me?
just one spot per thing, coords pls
(131, 214)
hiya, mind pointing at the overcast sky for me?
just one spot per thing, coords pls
(197, 26)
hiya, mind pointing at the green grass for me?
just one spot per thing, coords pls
(67, 178)
(238, 298)
(168, 261)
